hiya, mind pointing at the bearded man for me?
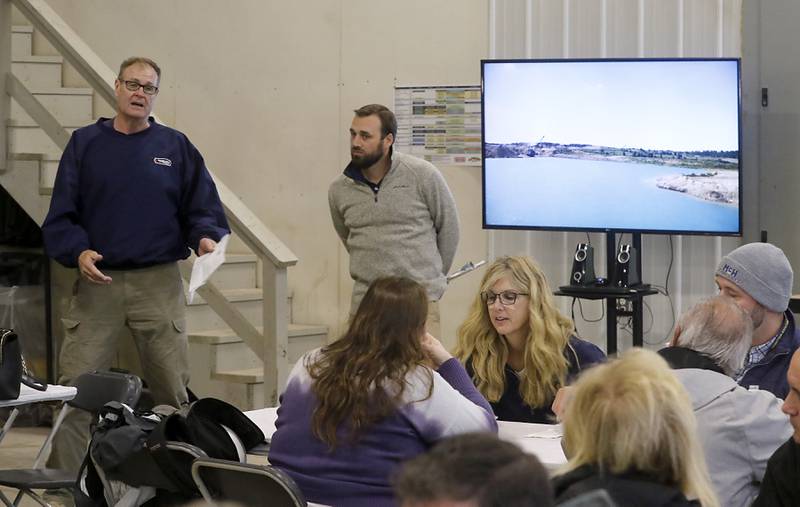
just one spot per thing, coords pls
(758, 277)
(394, 212)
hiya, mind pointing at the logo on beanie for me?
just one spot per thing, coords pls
(729, 270)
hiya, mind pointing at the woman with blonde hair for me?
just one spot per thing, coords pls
(629, 428)
(355, 409)
(517, 347)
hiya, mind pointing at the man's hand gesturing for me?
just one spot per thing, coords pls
(86, 265)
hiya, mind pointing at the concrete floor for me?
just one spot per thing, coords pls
(18, 450)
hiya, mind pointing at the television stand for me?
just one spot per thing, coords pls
(611, 294)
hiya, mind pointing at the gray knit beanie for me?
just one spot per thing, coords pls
(762, 271)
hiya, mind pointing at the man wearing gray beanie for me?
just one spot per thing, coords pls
(759, 278)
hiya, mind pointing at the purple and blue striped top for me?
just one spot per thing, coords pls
(359, 474)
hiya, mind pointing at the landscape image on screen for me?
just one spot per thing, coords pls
(631, 145)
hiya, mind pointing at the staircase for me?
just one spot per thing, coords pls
(220, 363)
(223, 364)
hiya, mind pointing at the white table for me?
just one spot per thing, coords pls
(548, 450)
(28, 396)
(530, 437)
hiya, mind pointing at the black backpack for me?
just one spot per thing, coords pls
(219, 429)
(131, 450)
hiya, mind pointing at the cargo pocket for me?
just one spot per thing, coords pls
(70, 361)
(70, 325)
(179, 325)
(179, 356)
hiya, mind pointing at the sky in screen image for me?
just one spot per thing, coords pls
(666, 105)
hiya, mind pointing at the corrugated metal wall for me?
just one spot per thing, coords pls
(619, 28)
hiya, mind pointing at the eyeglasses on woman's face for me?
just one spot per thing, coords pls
(507, 297)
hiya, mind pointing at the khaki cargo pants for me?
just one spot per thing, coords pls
(150, 303)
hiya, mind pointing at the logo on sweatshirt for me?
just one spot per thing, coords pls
(729, 270)
(163, 161)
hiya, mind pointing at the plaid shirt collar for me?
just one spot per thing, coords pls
(759, 352)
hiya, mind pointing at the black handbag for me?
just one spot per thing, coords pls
(10, 365)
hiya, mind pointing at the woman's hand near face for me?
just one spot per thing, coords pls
(434, 349)
(560, 403)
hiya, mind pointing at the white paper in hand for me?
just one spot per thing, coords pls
(205, 265)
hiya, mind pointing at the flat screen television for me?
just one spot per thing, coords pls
(614, 145)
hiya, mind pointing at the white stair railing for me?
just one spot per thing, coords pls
(275, 257)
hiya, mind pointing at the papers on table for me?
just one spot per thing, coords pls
(205, 265)
(554, 431)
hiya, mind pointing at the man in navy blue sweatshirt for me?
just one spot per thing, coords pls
(130, 198)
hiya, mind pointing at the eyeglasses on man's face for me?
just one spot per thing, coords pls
(135, 85)
(507, 297)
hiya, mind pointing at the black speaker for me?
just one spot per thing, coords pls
(625, 272)
(583, 265)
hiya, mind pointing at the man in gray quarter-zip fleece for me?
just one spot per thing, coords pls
(393, 212)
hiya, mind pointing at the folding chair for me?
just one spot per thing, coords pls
(167, 487)
(220, 480)
(95, 389)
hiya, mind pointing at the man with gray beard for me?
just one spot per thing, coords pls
(739, 428)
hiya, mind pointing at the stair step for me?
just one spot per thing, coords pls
(240, 258)
(37, 70)
(32, 140)
(72, 107)
(244, 376)
(26, 156)
(21, 41)
(228, 351)
(222, 364)
(59, 90)
(233, 295)
(238, 271)
(249, 302)
(69, 114)
(48, 176)
(28, 122)
(38, 59)
(220, 336)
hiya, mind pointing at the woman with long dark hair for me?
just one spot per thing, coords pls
(355, 409)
